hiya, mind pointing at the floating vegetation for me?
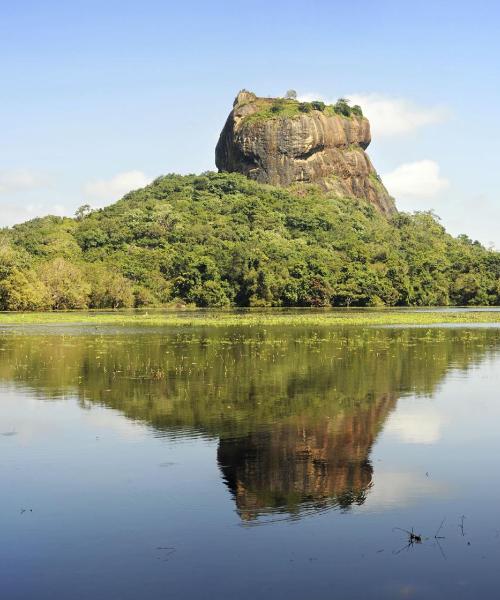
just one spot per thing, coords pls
(267, 318)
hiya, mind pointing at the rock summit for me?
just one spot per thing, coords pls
(282, 141)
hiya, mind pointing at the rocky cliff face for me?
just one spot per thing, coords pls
(282, 142)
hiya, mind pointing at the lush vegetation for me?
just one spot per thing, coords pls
(220, 240)
(318, 319)
(289, 107)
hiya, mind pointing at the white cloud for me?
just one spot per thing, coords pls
(396, 116)
(388, 115)
(394, 489)
(20, 179)
(117, 186)
(415, 423)
(420, 179)
(110, 421)
(10, 214)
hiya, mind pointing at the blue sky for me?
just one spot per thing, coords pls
(100, 97)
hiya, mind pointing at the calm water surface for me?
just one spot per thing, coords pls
(244, 463)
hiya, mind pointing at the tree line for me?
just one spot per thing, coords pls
(219, 240)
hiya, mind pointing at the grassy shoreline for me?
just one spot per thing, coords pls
(204, 318)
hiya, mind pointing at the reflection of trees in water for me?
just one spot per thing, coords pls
(304, 463)
(296, 411)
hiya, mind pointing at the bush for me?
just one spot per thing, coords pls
(66, 285)
(342, 107)
(318, 105)
(23, 291)
(144, 297)
(12, 258)
(109, 289)
(276, 107)
(211, 294)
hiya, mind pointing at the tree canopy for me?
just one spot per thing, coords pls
(219, 239)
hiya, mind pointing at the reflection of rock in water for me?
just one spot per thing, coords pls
(323, 401)
(304, 464)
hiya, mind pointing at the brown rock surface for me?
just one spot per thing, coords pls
(290, 146)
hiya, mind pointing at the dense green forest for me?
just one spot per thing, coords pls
(219, 240)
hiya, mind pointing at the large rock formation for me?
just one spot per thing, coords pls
(282, 142)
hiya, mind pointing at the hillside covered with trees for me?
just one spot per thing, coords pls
(219, 240)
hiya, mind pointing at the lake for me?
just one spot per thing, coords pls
(246, 462)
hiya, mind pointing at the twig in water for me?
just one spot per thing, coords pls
(413, 537)
(440, 537)
(461, 526)
(440, 547)
(405, 547)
